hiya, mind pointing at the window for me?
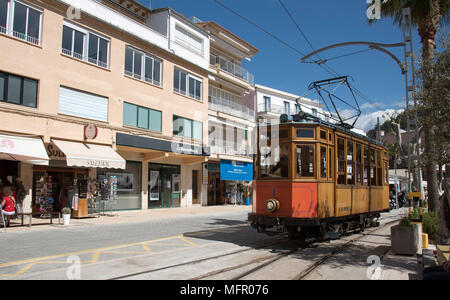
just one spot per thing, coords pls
(287, 107)
(25, 21)
(305, 133)
(323, 135)
(386, 173)
(187, 84)
(379, 172)
(142, 66)
(142, 117)
(358, 163)
(305, 161)
(323, 162)
(341, 161)
(314, 111)
(187, 128)
(267, 104)
(366, 166)
(83, 104)
(18, 90)
(85, 45)
(188, 40)
(3, 15)
(98, 50)
(350, 164)
(373, 168)
(330, 162)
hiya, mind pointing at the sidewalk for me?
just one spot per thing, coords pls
(123, 217)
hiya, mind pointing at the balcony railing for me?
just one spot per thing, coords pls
(231, 108)
(87, 59)
(229, 148)
(276, 109)
(231, 68)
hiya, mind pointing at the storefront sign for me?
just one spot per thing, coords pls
(90, 132)
(236, 170)
(54, 153)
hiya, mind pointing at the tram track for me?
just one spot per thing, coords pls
(286, 248)
(274, 258)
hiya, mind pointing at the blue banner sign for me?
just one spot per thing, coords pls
(236, 170)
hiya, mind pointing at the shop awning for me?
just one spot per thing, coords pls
(26, 149)
(90, 155)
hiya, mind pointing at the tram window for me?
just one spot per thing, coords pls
(284, 134)
(275, 162)
(358, 163)
(379, 173)
(350, 168)
(323, 162)
(366, 166)
(373, 168)
(323, 135)
(305, 161)
(386, 173)
(305, 133)
(330, 162)
(341, 161)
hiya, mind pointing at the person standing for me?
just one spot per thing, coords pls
(20, 195)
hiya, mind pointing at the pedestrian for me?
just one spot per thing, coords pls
(20, 195)
(437, 273)
(7, 204)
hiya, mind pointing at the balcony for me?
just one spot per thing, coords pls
(231, 148)
(231, 68)
(230, 107)
(275, 109)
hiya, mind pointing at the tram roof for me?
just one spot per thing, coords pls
(313, 120)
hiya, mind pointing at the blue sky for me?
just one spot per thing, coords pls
(324, 22)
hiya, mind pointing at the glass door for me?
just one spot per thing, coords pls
(163, 191)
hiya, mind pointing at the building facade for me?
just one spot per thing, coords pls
(103, 89)
(272, 103)
(231, 116)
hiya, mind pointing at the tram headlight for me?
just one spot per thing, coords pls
(272, 205)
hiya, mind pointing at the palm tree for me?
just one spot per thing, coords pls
(427, 16)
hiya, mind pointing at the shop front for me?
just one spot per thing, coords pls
(171, 171)
(70, 179)
(164, 186)
(15, 151)
(229, 182)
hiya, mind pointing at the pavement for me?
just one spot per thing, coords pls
(123, 217)
(369, 258)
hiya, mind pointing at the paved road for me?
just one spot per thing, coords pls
(146, 250)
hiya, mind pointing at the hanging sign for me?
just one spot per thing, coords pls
(90, 132)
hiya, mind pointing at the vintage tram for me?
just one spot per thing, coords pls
(316, 179)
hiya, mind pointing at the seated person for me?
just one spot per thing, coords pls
(8, 204)
(437, 273)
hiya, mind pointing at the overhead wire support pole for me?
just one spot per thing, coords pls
(410, 81)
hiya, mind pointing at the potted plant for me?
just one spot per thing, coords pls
(66, 215)
(406, 237)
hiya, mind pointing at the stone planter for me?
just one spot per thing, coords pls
(406, 240)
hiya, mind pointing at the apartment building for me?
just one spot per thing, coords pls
(231, 116)
(94, 92)
(272, 103)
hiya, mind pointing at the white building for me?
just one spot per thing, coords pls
(272, 103)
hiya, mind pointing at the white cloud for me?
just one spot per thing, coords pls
(368, 121)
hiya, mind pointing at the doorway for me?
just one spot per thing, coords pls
(195, 198)
(163, 186)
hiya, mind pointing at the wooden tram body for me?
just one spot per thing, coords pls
(313, 177)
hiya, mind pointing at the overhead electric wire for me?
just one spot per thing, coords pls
(325, 67)
(259, 27)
